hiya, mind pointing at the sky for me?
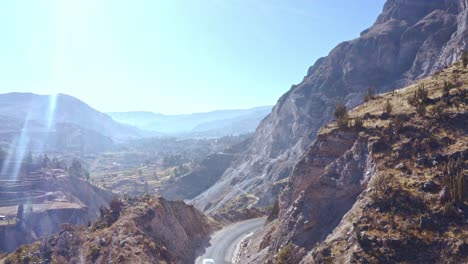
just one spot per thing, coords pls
(171, 56)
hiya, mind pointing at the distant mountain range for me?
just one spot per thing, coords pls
(64, 123)
(49, 110)
(211, 124)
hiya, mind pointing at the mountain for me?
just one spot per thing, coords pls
(216, 123)
(385, 183)
(136, 230)
(59, 138)
(49, 110)
(409, 40)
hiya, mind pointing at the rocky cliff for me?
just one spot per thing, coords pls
(389, 186)
(136, 230)
(409, 40)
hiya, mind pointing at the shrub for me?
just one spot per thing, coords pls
(388, 107)
(421, 109)
(284, 255)
(438, 112)
(343, 123)
(422, 93)
(381, 187)
(454, 179)
(358, 124)
(370, 94)
(465, 59)
(340, 110)
(398, 123)
(419, 99)
(447, 87)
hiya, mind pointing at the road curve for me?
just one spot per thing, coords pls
(224, 242)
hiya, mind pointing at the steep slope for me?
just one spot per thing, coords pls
(204, 175)
(391, 190)
(50, 198)
(49, 110)
(139, 230)
(409, 40)
(215, 123)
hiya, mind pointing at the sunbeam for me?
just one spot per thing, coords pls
(51, 110)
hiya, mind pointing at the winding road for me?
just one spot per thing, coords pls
(223, 243)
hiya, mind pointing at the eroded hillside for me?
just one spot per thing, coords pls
(384, 183)
(135, 230)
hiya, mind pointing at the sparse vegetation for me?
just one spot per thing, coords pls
(388, 107)
(340, 110)
(465, 58)
(341, 115)
(381, 187)
(397, 123)
(370, 94)
(419, 99)
(343, 123)
(284, 255)
(421, 109)
(447, 87)
(454, 179)
(358, 124)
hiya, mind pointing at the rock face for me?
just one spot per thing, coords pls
(380, 193)
(409, 40)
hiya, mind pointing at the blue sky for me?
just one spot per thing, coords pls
(171, 56)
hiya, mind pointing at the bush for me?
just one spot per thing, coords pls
(447, 87)
(465, 59)
(358, 124)
(421, 109)
(340, 111)
(398, 123)
(381, 187)
(343, 123)
(454, 179)
(419, 99)
(388, 107)
(284, 255)
(370, 94)
(438, 112)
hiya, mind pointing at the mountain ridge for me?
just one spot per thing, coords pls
(387, 55)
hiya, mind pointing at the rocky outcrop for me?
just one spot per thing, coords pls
(410, 40)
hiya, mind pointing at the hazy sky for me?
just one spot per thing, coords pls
(171, 56)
